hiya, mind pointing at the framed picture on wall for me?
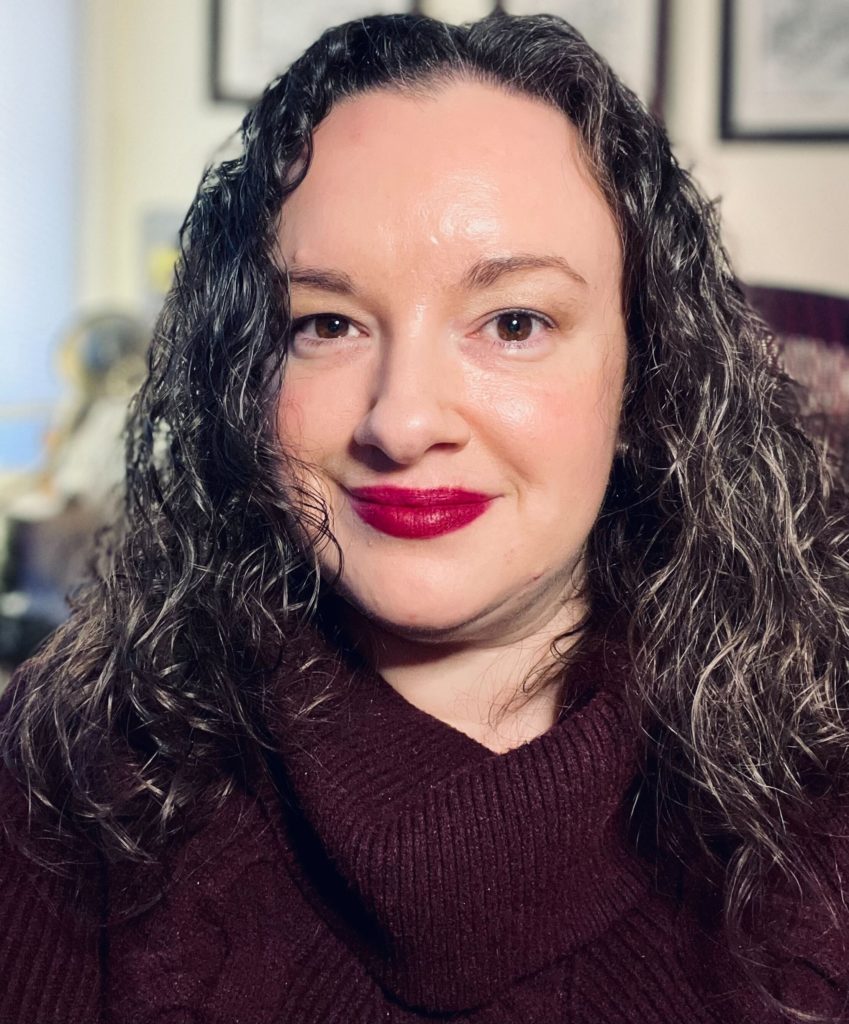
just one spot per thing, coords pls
(253, 41)
(785, 70)
(630, 34)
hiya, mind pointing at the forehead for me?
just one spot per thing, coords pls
(402, 183)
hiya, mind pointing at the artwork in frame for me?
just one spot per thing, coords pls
(254, 40)
(630, 34)
(785, 70)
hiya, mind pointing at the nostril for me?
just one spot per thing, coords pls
(404, 429)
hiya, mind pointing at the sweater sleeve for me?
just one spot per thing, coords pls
(814, 942)
(49, 952)
(221, 941)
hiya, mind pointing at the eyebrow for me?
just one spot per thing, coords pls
(483, 273)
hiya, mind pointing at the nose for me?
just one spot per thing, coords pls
(415, 402)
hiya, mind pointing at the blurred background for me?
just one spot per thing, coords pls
(111, 109)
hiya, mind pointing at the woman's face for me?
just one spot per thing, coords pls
(455, 273)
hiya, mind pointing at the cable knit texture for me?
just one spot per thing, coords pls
(394, 870)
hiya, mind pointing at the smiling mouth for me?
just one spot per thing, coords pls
(416, 513)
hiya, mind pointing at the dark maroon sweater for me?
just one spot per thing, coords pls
(399, 871)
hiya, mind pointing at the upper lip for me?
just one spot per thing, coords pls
(418, 495)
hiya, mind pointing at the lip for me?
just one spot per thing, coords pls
(417, 512)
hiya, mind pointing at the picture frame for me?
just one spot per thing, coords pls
(632, 35)
(784, 70)
(252, 41)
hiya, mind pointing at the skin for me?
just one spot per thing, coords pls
(429, 383)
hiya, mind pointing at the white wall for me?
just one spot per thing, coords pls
(38, 204)
(150, 127)
(785, 206)
(149, 130)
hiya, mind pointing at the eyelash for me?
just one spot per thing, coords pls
(507, 345)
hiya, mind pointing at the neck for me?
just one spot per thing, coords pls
(452, 872)
(500, 692)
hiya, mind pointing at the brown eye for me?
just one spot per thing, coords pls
(329, 327)
(515, 326)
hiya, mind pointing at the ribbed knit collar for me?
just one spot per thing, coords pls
(451, 871)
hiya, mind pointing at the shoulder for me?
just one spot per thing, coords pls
(809, 935)
(799, 951)
(50, 947)
(216, 911)
(223, 932)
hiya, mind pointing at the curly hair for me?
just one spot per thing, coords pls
(719, 556)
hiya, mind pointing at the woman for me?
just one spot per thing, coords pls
(475, 645)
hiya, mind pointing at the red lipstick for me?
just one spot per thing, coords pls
(417, 513)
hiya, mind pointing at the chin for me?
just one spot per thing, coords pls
(426, 630)
(437, 625)
(418, 624)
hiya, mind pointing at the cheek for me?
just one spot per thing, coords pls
(563, 435)
(308, 424)
(290, 419)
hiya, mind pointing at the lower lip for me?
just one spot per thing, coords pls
(418, 521)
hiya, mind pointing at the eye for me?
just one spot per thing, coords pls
(327, 327)
(514, 328)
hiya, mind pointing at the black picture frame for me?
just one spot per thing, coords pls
(221, 84)
(769, 92)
